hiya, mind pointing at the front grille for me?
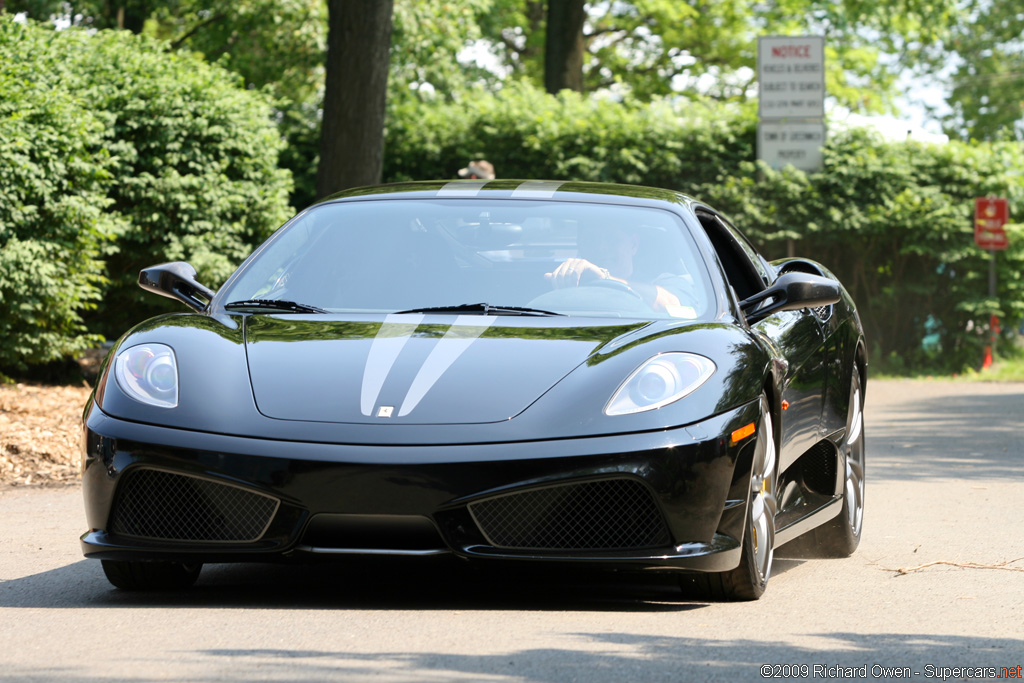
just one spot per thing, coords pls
(610, 514)
(177, 507)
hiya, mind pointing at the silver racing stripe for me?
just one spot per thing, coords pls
(537, 189)
(462, 188)
(458, 338)
(394, 332)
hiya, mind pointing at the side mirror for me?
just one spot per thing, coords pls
(790, 292)
(176, 280)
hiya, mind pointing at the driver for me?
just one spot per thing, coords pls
(607, 253)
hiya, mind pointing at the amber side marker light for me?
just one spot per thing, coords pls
(742, 433)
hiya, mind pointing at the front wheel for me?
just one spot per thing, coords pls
(150, 576)
(749, 579)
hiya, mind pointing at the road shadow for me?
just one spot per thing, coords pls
(370, 583)
(386, 584)
(615, 656)
(608, 656)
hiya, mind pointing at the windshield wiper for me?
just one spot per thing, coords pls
(273, 305)
(482, 309)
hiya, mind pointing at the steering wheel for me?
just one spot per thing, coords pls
(615, 284)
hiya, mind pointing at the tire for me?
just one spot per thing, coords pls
(840, 536)
(749, 580)
(150, 576)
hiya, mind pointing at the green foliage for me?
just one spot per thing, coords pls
(652, 48)
(987, 97)
(427, 38)
(197, 162)
(279, 44)
(895, 222)
(1008, 365)
(529, 134)
(892, 220)
(54, 175)
(97, 14)
(656, 47)
(172, 151)
(515, 31)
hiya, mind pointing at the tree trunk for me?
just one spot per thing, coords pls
(132, 18)
(563, 49)
(352, 132)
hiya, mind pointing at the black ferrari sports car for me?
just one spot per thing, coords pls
(514, 371)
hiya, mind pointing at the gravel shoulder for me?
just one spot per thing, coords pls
(40, 432)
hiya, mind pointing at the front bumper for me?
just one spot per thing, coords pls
(667, 499)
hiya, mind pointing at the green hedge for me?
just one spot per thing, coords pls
(527, 133)
(54, 223)
(894, 220)
(185, 159)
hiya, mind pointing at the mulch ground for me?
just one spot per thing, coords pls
(40, 433)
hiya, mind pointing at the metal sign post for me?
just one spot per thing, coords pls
(990, 215)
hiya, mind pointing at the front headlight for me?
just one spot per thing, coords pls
(148, 373)
(663, 379)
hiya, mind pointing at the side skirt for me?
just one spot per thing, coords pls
(828, 510)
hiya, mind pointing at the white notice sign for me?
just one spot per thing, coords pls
(791, 77)
(797, 143)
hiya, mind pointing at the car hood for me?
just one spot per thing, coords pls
(414, 368)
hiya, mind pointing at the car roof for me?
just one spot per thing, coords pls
(559, 190)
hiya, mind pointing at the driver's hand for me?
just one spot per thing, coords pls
(664, 299)
(570, 272)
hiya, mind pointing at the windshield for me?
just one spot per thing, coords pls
(402, 255)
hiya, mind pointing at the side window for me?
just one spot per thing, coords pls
(755, 258)
(743, 268)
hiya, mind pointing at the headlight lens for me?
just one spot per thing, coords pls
(661, 380)
(148, 373)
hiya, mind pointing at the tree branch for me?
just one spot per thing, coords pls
(965, 565)
(192, 31)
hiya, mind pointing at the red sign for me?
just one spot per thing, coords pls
(990, 215)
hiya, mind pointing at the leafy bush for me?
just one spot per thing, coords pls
(530, 134)
(54, 175)
(894, 220)
(190, 155)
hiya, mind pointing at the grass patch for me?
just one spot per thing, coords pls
(1002, 370)
(1008, 366)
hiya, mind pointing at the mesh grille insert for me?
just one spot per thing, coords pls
(611, 514)
(819, 467)
(177, 507)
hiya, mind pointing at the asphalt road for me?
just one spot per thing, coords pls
(946, 486)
